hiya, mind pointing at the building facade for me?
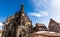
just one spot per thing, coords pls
(54, 26)
(18, 25)
(1, 33)
(39, 27)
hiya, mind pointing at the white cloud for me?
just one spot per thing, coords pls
(35, 14)
(48, 7)
(54, 9)
(51, 6)
(39, 14)
(38, 5)
(44, 13)
(1, 24)
(55, 3)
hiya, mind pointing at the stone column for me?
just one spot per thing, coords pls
(18, 33)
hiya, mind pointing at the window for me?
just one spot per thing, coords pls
(23, 21)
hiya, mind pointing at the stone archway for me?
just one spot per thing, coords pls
(20, 35)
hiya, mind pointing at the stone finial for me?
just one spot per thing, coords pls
(22, 7)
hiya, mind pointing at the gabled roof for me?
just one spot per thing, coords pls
(39, 24)
(51, 20)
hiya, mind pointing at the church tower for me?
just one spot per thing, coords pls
(18, 25)
(24, 23)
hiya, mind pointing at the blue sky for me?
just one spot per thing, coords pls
(39, 11)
